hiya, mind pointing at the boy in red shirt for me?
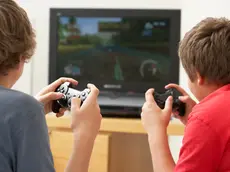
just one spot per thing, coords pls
(205, 56)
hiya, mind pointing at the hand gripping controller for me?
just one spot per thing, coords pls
(177, 104)
(68, 93)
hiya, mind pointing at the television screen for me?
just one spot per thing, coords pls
(114, 51)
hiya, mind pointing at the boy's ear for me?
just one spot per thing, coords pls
(200, 79)
(23, 59)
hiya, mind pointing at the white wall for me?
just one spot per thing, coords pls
(35, 76)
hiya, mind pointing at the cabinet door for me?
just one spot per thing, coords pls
(61, 146)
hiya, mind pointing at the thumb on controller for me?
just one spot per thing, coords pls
(50, 97)
(168, 104)
(75, 104)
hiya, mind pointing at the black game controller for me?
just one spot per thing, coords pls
(68, 92)
(177, 104)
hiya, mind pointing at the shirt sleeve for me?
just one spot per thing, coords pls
(31, 142)
(201, 149)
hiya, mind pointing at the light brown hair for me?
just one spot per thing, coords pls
(206, 49)
(17, 38)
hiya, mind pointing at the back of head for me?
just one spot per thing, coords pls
(17, 36)
(205, 49)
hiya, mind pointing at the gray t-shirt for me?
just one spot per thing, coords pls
(24, 139)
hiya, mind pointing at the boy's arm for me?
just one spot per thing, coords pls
(81, 153)
(201, 150)
(161, 156)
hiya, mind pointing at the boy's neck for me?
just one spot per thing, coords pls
(8, 80)
(208, 89)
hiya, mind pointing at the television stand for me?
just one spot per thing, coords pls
(121, 144)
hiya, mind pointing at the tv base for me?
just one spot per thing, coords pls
(124, 116)
(121, 107)
(120, 112)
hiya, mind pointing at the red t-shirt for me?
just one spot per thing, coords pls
(206, 145)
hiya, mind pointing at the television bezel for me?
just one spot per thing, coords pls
(175, 21)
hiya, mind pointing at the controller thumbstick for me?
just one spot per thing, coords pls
(83, 93)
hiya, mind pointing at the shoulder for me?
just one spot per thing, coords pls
(216, 102)
(16, 105)
(25, 114)
(198, 132)
(20, 101)
(213, 115)
(198, 143)
(214, 111)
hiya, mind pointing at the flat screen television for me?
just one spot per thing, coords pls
(118, 50)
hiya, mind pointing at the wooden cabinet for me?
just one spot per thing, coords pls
(121, 145)
(61, 146)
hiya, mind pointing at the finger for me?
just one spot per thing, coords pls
(181, 90)
(62, 110)
(184, 99)
(57, 83)
(75, 104)
(93, 89)
(148, 106)
(58, 115)
(168, 104)
(94, 92)
(149, 95)
(50, 97)
(62, 80)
